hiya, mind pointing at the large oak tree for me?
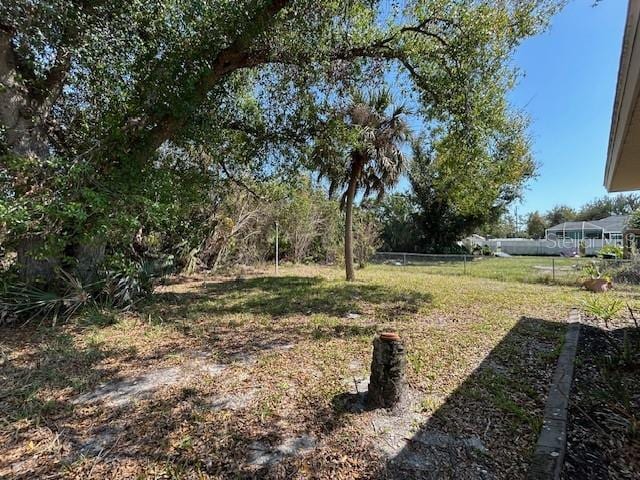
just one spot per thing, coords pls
(105, 89)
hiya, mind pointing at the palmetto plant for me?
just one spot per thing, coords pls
(29, 302)
(120, 289)
(603, 308)
(370, 160)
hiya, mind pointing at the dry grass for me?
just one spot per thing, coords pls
(480, 356)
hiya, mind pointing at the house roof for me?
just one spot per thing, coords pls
(575, 226)
(613, 223)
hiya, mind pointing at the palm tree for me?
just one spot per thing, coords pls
(372, 160)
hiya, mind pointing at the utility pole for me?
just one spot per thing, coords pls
(276, 248)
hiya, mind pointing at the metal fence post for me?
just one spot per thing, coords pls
(277, 247)
(553, 269)
(404, 258)
(465, 265)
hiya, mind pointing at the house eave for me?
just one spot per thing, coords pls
(622, 170)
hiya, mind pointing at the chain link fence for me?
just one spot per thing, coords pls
(529, 269)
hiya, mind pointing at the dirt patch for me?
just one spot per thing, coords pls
(603, 439)
(439, 455)
(411, 448)
(232, 401)
(121, 392)
(262, 454)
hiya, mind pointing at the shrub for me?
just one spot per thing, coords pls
(611, 250)
(121, 288)
(591, 270)
(20, 301)
(627, 272)
(602, 307)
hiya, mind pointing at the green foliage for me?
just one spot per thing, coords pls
(369, 151)
(623, 204)
(536, 225)
(611, 250)
(366, 235)
(27, 302)
(560, 214)
(634, 220)
(592, 270)
(122, 289)
(397, 213)
(460, 187)
(152, 109)
(602, 307)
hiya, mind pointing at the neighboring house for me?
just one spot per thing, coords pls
(568, 239)
(609, 228)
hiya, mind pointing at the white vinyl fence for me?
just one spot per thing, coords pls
(565, 247)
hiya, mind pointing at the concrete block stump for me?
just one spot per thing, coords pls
(387, 385)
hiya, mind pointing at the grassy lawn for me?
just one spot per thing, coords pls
(246, 364)
(568, 271)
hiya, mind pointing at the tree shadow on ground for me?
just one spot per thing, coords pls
(40, 364)
(487, 428)
(291, 295)
(285, 310)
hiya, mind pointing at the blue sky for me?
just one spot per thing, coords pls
(568, 89)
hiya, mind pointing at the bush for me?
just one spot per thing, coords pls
(591, 270)
(611, 251)
(121, 289)
(602, 308)
(627, 272)
(26, 302)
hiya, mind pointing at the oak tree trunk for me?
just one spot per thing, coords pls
(21, 115)
(23, 119)
(89, 256)
(33, 265)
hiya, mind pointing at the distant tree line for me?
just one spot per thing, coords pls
(428, 220)
(534, 224)
(597, 209)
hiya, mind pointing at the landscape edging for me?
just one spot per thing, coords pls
(548, 457)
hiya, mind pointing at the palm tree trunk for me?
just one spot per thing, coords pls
(356, 169)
